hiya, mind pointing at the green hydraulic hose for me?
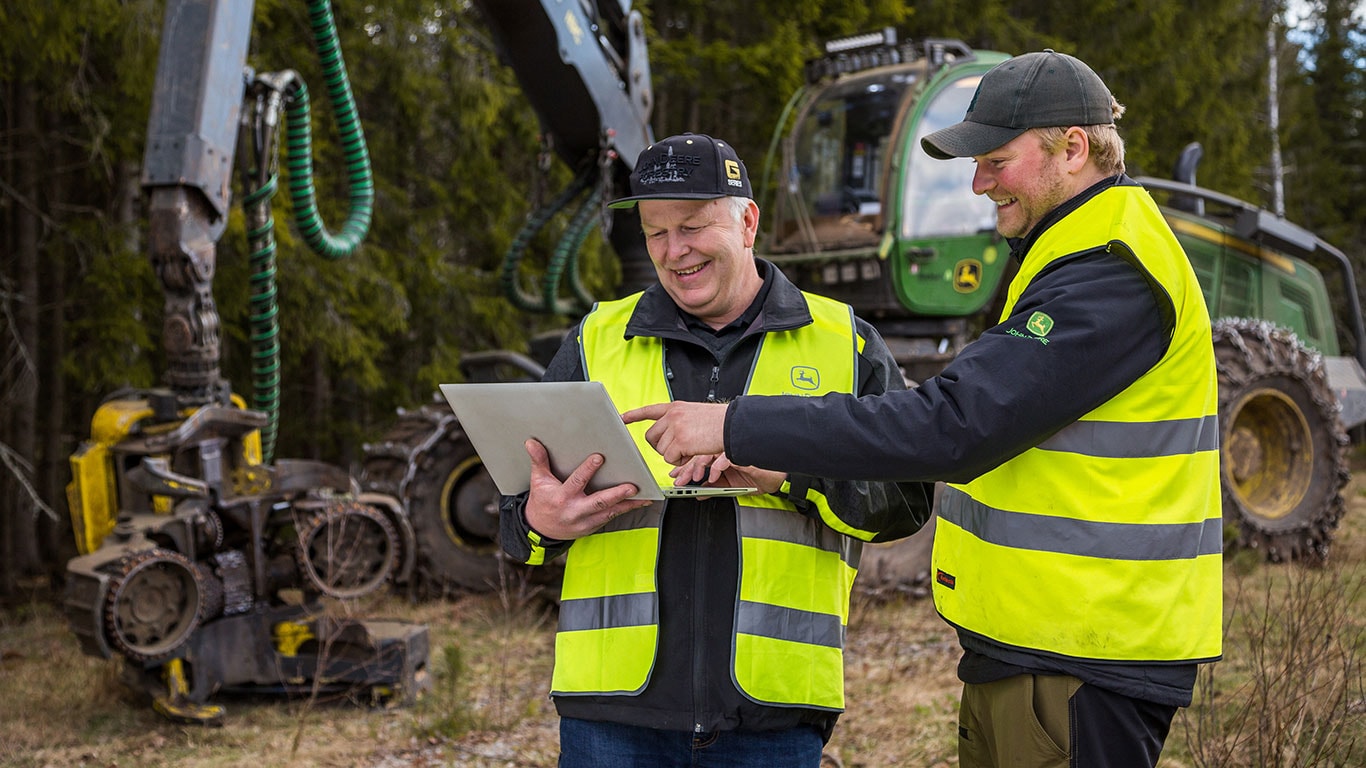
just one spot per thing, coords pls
(263, 314)
(512, 286)
(299, 148)
(779, 130)
(564, 257)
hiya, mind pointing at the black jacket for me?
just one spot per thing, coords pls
(690, 688)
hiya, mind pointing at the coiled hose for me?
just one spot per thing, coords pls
(262, 184)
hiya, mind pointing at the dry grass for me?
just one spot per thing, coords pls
(901, 691)
(1291, 690)
(1285, 689)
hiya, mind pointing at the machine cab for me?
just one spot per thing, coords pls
(861, 212)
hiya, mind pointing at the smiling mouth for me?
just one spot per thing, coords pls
(690, 270)
(1003, 203)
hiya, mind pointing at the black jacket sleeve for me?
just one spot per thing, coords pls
(1006, 392)
(886, 510)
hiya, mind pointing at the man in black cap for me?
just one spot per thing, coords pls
(707, 632)
(1078, 544)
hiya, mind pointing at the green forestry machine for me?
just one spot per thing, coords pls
(862, 214)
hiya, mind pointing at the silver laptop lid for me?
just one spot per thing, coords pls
(572, 419)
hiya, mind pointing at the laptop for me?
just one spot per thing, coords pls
(572, 419)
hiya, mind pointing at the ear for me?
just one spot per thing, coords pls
(750, 221)
(1076, 149)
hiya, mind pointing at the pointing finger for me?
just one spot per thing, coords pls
(645, 413)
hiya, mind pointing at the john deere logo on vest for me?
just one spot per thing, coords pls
(1039, 324)
(805, 377)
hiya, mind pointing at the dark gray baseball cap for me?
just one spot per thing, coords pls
(690, 166)
(1033, 90)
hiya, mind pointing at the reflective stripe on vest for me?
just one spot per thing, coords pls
(795, 579)
(795, 574)
(1103, 542)
(609, 609)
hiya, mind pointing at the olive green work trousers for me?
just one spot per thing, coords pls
(1056, 721)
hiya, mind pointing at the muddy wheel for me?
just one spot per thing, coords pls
(155, 603)
(1282, 445)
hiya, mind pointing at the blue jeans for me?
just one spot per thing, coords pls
(592, 744)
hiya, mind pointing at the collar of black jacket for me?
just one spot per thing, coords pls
(782, 308)
(1019, 246)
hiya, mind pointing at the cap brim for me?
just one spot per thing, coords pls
(967, 139)
(630, 202)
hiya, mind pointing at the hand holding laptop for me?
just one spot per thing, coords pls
(572, 420)
(566, 510)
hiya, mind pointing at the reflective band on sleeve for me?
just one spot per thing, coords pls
(537, 556)
(1111, 541)
(1136, 440)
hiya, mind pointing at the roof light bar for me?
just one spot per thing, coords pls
(839, 45)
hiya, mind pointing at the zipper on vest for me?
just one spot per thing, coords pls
(715, 379)
(700, 569)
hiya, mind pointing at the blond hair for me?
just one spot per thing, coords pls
(1107, 146)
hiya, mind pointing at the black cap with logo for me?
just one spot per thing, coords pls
(1033, 90)
(690, 166)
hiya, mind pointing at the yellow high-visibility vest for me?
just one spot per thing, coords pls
(796, 573)
(1104, 542)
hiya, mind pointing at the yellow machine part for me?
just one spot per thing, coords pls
(175, 703)
(92, 494)
(290, 635)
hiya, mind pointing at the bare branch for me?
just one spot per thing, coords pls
(22, 471)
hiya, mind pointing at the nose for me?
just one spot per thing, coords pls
(675, 245)
(982, 180)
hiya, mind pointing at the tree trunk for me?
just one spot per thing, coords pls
(18, 544)
(31, 166)
(7, 246)
(56, 542)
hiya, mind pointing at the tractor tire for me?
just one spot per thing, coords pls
(453, 506)
(427, 462)
(1283, 449)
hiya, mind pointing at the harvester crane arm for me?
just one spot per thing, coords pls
(585, 70)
